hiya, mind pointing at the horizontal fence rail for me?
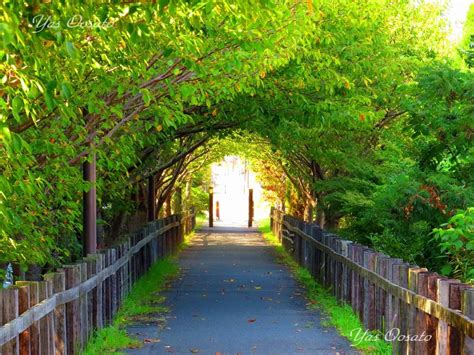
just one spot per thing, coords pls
(58, 315)
(419, 311)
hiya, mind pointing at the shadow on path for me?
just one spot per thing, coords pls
(233, 297)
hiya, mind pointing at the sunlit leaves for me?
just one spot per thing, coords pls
(121, 85)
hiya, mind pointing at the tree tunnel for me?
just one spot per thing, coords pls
(357, 123)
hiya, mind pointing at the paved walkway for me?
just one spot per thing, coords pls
(233, 297)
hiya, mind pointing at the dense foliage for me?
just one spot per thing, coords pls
(351, 113)
(467, 42)
(137, 87)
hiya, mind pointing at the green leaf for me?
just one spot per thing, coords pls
(163, 4)
(17, 106)
(187, 90)
(65, 90)
(446, 270)
(71, 50)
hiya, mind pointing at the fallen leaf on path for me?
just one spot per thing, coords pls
(151, 340)
(194, 351)
(258, 287)
(251, 320)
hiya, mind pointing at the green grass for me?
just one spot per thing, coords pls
(145, 298)
(144, 303)
(342, 317)
(110, 340)
(201, 220)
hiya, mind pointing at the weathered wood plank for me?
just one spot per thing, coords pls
(99, 294)
(23, 306)
(73, 276)
(91, 271)
(456, 336)
(467, 308)
(443, 328)
(44, 322)
(9, 311)
(58, 282)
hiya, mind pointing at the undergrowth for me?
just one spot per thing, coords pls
(143, 303)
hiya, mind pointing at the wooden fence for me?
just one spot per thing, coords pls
(58, 315)
(419, 311)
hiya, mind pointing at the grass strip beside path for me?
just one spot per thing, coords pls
(342, 317)
(143, 303)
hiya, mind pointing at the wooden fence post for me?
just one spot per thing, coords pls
(34, 329)
(444, 329)
(90, 297)
(58, 281)
(250, 207)
(456, 337)
(392, 304)
(427, 283)
(9, 310)
(211, 207)
(73, 277)
(412, 313)
(380, 294)
(467, 309)
(113, 281)
(45, 321)
(99, 309)
(23, 305)
(400, 274)
(421, 318)
(83, 306)
(346, 280)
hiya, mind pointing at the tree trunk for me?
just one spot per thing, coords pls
(320, 216)
(332, 221)
(178, 205)
(187, 195)
(308, 212)
(168, 206)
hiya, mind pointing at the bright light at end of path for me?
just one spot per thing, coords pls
(232, 178)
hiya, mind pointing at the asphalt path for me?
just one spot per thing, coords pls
(233, 297)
